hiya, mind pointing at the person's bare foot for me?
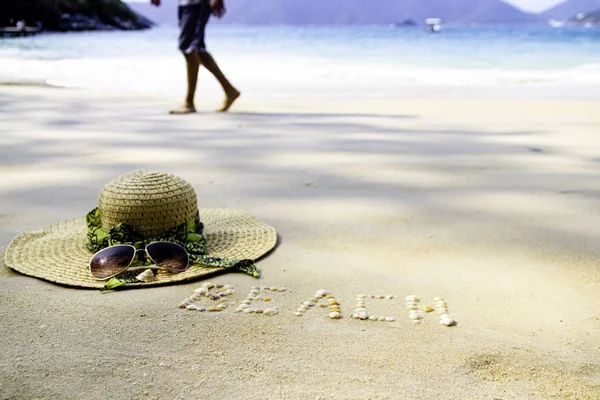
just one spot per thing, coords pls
(230, 97)
(183, 109)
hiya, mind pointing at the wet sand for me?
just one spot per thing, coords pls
(490, 203)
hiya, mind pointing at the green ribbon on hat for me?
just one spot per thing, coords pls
(188, 234)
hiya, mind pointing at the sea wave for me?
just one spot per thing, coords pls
(143, 74)
(304, 61)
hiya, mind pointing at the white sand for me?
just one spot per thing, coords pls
(491, 204)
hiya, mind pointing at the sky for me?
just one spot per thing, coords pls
(527, 5)
(534, 5)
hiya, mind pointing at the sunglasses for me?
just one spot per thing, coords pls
(113, 260)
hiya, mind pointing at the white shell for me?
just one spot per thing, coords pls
(335, 315)
(309, 303)
(201, 291)
(271, 311)
(200, 308)
(389, 297)
(447, 321)
(416, 321)
(146, 276)
(390, 319)
(249, 310)
(361, 296)
(373, 317)
(192, 307)
(298, 314)
(208, 285)
(359, 310)
(412, 298)
(415, 316)
(362, 315)
(321, 293)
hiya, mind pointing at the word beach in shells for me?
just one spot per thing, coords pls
(335, 311)
(212, 297)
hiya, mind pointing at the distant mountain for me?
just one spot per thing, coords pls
(346, 12)
(355, 12)
(569, 8)
(588, 19)
(71, 15)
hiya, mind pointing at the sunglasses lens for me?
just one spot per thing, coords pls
(111, 261)
(169, 256)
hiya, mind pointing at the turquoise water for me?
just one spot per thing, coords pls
(312, 59)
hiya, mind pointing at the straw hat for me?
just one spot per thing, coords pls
(150, 203)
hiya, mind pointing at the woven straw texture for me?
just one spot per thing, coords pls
(57, 253)
(151, 203)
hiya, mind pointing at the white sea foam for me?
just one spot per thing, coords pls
(294, 63)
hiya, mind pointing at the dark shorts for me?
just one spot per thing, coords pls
(192, 21)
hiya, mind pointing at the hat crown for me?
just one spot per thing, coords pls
(150, 202)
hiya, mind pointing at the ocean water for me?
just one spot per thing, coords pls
(313, 61)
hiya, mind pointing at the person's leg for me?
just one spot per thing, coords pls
(231, 93)
(192, 64)
(189, 19)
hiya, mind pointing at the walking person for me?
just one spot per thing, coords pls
(193, 17)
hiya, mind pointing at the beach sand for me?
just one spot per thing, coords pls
(490, 203)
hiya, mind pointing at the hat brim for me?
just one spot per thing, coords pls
(57, 253)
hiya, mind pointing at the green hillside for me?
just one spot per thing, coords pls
(67, 15)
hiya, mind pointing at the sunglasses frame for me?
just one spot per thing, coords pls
(142, 267)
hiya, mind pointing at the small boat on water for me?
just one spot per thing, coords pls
(433, 24)
(13, 31)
